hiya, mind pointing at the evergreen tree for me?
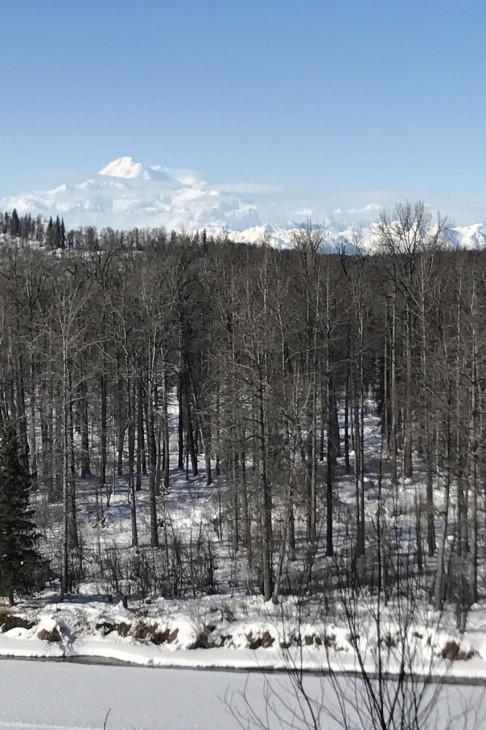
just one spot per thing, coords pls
(58, 233)
(51, 234)
(19, 559)
(62, 239)
(15, 224)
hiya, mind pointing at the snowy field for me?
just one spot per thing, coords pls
(64, 696)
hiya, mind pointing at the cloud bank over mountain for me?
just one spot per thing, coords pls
(125, 194)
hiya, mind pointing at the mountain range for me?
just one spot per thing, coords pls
(124, 194)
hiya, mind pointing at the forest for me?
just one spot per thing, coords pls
(141, 355)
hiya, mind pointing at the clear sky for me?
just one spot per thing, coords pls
(382, 97)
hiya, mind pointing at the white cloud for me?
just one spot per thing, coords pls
(368, 208)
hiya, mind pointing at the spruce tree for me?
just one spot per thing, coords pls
(19, 559)
(51, 234)
(15, 224)
(62, 241)
(57, 233)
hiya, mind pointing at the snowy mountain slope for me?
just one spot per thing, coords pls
(470, 237)
(124, 194)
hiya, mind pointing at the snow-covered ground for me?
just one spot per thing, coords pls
(63, 696)
(233, 627)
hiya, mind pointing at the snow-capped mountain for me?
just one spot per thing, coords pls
(353, 240)
(124, 194)
(127, 168)
(470, 237)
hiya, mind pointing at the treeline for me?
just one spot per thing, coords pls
(53, 234)
(271, 360)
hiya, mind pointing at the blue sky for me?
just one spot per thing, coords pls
(350, 100)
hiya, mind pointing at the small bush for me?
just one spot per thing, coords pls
(330, 641)
(144, 631)
(106, 627)
(204, 640)
(152, 633)
(123, 629)
(47, 635)
(4, 613)
(453, 652)
(265, 641)
(389, 641)
(9, 621)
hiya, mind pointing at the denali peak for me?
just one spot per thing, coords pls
(125, 167)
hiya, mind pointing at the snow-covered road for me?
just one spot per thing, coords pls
(48, 695)
(65, 696)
